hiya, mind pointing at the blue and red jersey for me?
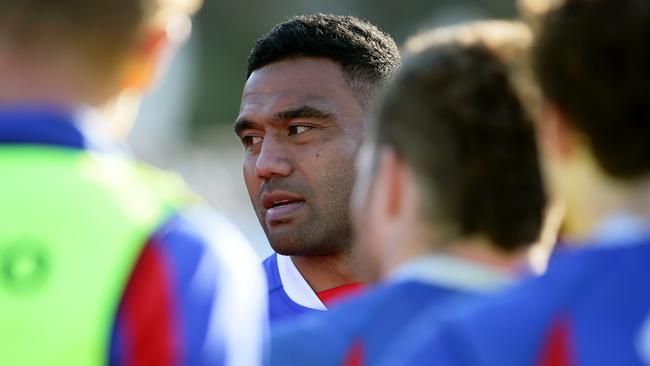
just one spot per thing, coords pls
(592, 307)
(361, 331)
(180, 290)
(161, 320)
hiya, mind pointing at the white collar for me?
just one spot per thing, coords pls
(295, 286)
(94, 128)
(452, 272)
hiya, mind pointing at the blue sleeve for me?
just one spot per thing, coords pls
(177, 305)
(164, 305)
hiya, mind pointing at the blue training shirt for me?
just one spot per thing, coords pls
(592, 307)
(361, 331)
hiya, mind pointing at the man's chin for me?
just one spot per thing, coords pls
(290, 249)
(303, 240)
(285, 241)
(293, 246)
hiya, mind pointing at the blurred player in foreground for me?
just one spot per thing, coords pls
(104, 260)
(592, 307)
(449, 198)
(304, 111)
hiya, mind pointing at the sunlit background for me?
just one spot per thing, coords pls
(186, 124)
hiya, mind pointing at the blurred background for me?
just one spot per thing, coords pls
(186, 124)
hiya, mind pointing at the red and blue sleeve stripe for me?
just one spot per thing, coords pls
(165, 311)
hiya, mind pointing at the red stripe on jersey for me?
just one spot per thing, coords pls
(336, 294)
(556, 350)
(150, 326)
(356, 355)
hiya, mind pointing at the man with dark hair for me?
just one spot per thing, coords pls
(449, 198)
(592, 307)
(303, 114)
(103, 260)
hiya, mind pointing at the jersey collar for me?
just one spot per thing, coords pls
(452, 272)
(622, 228)
(295, 286)
(79, 128)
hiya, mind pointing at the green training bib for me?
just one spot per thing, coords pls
(72, 224)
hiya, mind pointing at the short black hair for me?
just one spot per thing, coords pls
(454, 115)
(368, 57)
(592, 60)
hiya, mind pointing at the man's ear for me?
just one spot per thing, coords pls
(556, 135)
(142, 65)
(393, 175)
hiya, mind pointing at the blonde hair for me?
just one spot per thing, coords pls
(101, 31)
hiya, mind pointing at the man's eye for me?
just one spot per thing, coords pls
(249, 141)
(296, 130)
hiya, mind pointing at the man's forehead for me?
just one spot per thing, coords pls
(313, 77)
(300, 69)
(277, 101)
(287, 85)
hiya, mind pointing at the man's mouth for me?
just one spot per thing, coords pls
(283, 203)
(280, 206)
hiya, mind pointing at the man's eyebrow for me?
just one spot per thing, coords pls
(243, 124)
(302, 112)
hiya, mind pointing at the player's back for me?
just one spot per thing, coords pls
(99, 260)
(358, 331)
(592, 307)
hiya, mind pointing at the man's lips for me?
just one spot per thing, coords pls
(280, 205)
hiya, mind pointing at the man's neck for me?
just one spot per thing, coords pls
(469, 249)
(45, 77)
(480, 251)
(326, 272)
(604, 199)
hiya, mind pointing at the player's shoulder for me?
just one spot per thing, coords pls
(394, 297)
(203, 245)
(529, 303)
(569, 272)
(201, 228)
(224, 240)
(316, 338)
(324, 338)
(522, 316)
(239, 315)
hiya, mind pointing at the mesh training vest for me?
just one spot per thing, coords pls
(72, 224)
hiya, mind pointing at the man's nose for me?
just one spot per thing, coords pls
(273, 159)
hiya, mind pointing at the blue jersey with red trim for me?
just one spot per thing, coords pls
(159, 311)
(191, 292)
(592, 307)
(280, 304)
(359, 331)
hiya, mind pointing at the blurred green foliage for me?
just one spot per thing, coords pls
(226, 31)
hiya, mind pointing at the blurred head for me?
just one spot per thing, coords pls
(302, 119)
(452, 158)
(93, 50)
(592, 61)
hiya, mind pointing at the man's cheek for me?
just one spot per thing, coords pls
(251, 183)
